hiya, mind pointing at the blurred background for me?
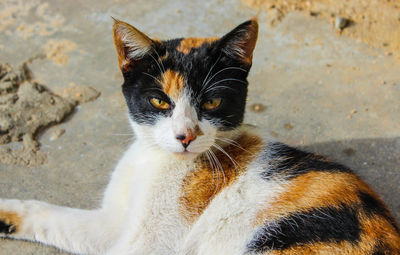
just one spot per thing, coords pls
(325, 78)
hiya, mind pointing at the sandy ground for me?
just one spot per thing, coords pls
(375, 22)
(311, 86)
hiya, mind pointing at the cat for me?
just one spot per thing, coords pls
(198, 181)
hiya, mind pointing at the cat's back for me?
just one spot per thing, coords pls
(265, 197)
(324, 209)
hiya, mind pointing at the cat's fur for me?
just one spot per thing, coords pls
(197, 181)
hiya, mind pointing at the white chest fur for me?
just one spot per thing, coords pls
(145, 190)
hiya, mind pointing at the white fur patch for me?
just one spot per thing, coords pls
(184, 117)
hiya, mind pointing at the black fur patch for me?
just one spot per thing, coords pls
(208, 73)
(292, 162)
(370, 205)
(373, 207)
(379, 251)
(328, 224)
(382, 249)
(6, 228)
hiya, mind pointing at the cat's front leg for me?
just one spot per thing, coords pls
(73, 230)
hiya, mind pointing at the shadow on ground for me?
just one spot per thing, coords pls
(376, 160)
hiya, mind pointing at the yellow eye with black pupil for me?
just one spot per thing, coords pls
(212, 104)
(159, 104)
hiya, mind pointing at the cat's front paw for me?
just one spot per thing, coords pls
(9, 223)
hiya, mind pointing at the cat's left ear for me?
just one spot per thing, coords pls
(241, 41)
(131, 44)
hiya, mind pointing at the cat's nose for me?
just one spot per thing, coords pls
(186, 139)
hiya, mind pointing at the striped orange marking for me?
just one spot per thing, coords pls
(173, 83)
(188, 44)
(202, 185)
(315, 189)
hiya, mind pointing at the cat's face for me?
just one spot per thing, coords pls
(183, 93)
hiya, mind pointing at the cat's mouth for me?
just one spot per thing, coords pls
(186, 154)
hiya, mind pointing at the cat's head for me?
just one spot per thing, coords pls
(182, 94)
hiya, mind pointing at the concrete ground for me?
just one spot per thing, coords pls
(322, 92)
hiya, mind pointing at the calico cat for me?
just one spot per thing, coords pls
(198, 181)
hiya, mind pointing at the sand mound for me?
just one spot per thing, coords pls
(26, 107)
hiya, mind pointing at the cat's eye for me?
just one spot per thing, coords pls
(159, 103)
(212, 104)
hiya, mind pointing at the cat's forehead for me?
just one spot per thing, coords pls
(182, 52)
(184, 63)
(186, 45)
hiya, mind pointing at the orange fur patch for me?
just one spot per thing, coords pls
(315, 189)
(173, 83)
(164, 57)
(321, 249)
(197, 131)
(188, 44)
(377, 230)
(202, 184)
(11, 218)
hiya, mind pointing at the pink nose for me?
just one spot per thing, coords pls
(186, 139)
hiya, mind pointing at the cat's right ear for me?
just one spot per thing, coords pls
(131, 44)
(241, 41)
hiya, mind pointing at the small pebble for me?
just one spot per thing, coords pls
(350, 116)
(258, 107)
(341, 23)
(273, 134)
(383, 82)
(288, 126)
(349, 151)
(56, 134)
(388, 53)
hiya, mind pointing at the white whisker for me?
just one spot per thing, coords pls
(230, 158)
(212, 67)
(220, 168)
(225, 69)
(152, 76)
